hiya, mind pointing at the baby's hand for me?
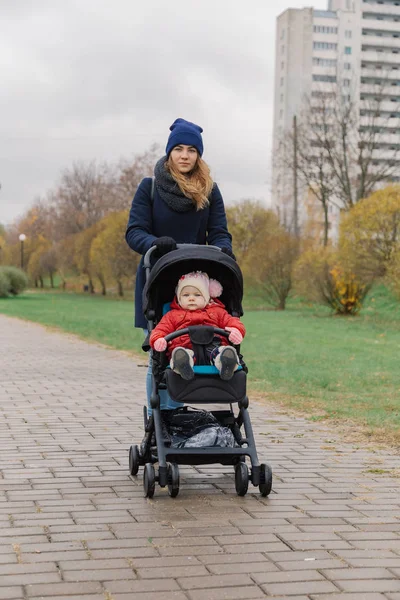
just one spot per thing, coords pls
(235, 336)
(160, 345)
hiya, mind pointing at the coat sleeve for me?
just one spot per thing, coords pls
(227, 320)
(139, 234)
(217, 227)
(164, 327)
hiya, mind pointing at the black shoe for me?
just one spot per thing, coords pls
(181, 362)
(229, 363)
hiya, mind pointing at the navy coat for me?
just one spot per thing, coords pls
(149, 221)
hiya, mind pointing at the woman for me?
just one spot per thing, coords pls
(187, 208)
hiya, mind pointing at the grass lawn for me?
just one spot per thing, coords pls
(329, 367)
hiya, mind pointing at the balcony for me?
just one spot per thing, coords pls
(381, 57)
(386, 26)
(387, 73)
(384, 107)
(384, 9)
(331, 71)
(385, 121)
(376, 41)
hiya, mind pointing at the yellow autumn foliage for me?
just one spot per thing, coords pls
(369, 232)
(326, 277)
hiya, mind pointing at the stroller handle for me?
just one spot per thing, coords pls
(185, 331)
(146, 260)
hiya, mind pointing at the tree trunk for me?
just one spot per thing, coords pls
(41, 282)
(120, 289)
(51, 281)
(282, 304)
(326, 224)
(91, 286)
(103, 285)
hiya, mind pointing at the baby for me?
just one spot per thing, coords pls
(196, 303)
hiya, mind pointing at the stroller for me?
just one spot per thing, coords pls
(205, 388)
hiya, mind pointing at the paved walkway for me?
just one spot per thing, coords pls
(74, 525)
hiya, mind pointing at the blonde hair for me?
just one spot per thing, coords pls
(197, 185)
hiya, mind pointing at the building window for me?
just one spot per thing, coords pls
(282, 49)
(282, 80)
(324, 46)
(282, 65)
(347, 66)
(325, 29)
(347, 49)
(325, 78)
(324, 62)
(281, 97)
(282, 34)
(346, 82)
(281, 114)
(348, 34)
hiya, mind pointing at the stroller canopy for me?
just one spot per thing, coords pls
(164, 275)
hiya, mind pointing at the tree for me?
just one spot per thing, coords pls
(358, 157)
(98, 261)
(326, 276)
(65, 252)
(249, 222)
(83, 242)
(110, 252)
(271, 263)
(48, 261)
(342, 149)
(82, 198)
(370, 232)
(35, 268)
(300, 155)
(132, 172)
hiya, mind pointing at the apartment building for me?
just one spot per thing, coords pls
(355, 45)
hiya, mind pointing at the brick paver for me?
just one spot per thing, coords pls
(74, 525)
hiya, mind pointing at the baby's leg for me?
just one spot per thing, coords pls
(226, 360)
(182, 362)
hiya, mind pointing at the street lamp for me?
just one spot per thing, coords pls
(22, 238)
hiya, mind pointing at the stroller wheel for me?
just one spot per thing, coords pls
(149, 480)
(173, 480)
(265, 486)
(241, 478)
(133, 460)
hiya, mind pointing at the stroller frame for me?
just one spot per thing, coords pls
(167, 457)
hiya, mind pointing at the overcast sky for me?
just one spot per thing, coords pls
(94, 79)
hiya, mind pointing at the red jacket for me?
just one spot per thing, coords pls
(213, 314)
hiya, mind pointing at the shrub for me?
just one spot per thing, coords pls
(4, 284)
(324, 276)
(370, 231)
(270, 266)
(17, 279)
(393, 273)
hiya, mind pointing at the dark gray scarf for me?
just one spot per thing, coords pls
(169, 190)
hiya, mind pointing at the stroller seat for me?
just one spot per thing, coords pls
(206, 388)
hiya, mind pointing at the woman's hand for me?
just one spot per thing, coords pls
(164, 245)
(228, 251)
(160, 345)
(235, 336)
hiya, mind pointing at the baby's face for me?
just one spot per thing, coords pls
(191, 298)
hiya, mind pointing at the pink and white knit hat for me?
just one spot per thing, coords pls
(209, 288)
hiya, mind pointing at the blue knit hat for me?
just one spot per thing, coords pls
(185, 132)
